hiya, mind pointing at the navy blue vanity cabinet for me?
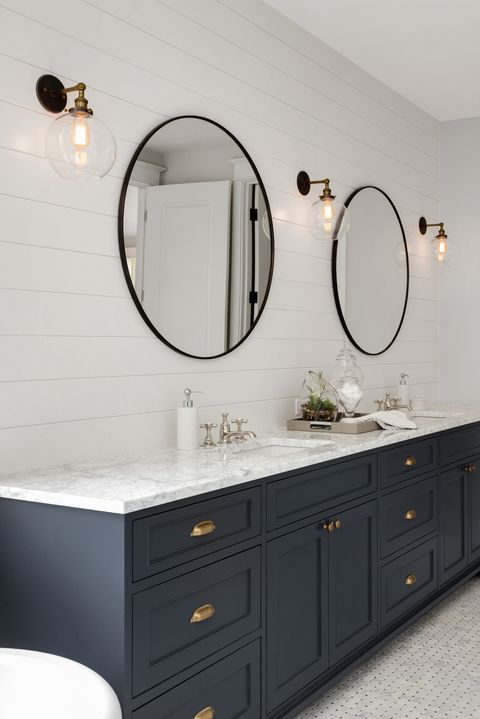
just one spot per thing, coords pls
(321, 597)
(230, 689)
(407, 515)
(473, 513)
(172, 538)
(307, 493)
(247, 602)
(297, 611)
(179, 622)
(453, 518)
(407, 461)
(460, 517)
(407, 580)
(352, 566)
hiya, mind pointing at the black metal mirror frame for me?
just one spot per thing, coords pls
(334, 276)
(121, 238)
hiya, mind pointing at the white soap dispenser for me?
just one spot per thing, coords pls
(187, 423)
(402, 390)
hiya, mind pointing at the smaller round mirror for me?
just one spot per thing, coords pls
(371, 272)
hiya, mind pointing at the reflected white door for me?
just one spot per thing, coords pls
(186, 256)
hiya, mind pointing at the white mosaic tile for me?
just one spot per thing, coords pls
(431, 671)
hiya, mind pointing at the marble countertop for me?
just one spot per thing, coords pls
(137, 481)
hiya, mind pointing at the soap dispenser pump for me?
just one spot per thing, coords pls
(187, 423)
(402, 390)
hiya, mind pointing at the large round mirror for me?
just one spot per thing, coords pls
(196, 237)
(370, 272)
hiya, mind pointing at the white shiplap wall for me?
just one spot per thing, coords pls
(81, 375)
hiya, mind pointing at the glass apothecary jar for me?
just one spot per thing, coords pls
(348, 381)
(318, 400)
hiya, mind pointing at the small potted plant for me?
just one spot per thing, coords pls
(318, 405)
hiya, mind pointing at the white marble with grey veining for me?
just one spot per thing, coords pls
(138, 481)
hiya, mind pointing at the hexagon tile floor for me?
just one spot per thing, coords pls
(431, 671)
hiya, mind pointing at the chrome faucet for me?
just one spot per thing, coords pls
(389, 402)
(226, 435)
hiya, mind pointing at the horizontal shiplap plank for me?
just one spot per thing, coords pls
(258, 40)
(30, 177)
(27, 403)
(44, 224)
(196, 43)
(292, 35)
(39, 268)
(78, 357)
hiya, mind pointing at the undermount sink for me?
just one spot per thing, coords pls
(282, 448)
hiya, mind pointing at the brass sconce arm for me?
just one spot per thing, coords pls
(423, 225)
(304, 184)
(52, 95)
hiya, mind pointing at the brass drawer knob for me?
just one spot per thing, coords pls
(207, 713)
(202, 613)
(470, 468)
(410, 580)
(410, 514)
(410, 462)
(332, 526)
(202, 528)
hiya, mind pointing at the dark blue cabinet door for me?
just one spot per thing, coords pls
(297, 612)
(473, 494)
(352, 550)
(453, 523)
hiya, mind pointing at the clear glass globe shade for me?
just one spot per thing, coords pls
(78, 146)
(330, 220)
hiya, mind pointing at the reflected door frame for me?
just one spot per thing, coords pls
(239, 306)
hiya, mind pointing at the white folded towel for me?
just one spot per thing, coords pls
(393, 419)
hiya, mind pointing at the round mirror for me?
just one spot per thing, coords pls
(370, 272)
(196, 237)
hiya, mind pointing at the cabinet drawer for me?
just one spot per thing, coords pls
(408, 515)
(311, 492)
(179, 622)
(229, 689)
(459, 444)
(407, 580)
(409, 460)
(171, 538)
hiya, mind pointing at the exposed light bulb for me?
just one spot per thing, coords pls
(441, 249)
(327, 210)
(80, 132)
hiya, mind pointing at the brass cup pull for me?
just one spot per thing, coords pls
(202, 613)
(470, 468)
(207, 713)
(410, 580)
(338, 524)
(411, 514)
(202, 528)
(410, 462)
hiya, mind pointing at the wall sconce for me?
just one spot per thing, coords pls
(440, 238)
(331, 218)
(78, 146)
